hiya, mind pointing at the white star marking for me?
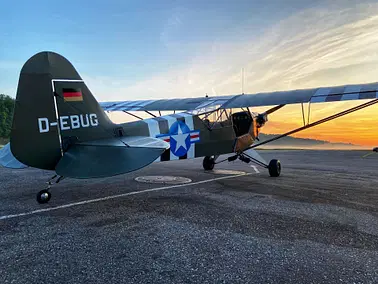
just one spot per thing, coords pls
(180, 139)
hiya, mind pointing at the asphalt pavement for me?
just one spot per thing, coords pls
(316, 223)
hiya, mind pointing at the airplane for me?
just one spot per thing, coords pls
(58, 125)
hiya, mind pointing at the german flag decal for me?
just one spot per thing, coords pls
(72, 95)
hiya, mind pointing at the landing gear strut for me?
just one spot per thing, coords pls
(274, 166)
(44, 195)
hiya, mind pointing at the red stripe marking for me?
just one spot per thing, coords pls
(194, 136)
(72, 94)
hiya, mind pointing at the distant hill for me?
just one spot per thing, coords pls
(290, 142)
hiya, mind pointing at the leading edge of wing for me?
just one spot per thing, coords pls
(164, 104)
(315, 95)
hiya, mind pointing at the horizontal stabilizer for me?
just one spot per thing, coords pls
(130, 141)
(104, 158)
(140, 141)
(7, 159)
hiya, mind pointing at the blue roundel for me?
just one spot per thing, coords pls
(179, 138)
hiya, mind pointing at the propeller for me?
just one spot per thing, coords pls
(263, 117)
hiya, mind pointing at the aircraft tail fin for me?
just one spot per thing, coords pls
(58, 125)
(54, 108)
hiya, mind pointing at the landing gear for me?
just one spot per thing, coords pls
(274, 168)
(208, 163)
(274, 165)
(44, 195)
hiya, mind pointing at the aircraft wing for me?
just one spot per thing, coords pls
(316, 95)
(165, 104)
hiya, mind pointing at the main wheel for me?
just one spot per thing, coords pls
(208, 163)
(274, 168)
(43, 196)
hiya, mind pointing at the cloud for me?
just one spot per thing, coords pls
(172, 26)
(317, 47)
(321, 46)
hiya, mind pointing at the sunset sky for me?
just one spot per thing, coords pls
(163, 49)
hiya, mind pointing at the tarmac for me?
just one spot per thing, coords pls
(316, 223)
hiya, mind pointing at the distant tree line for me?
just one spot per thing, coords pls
(6, 115)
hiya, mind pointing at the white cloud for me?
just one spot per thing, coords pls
(317, 47)
(172, 26)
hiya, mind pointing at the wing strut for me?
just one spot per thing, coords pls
(150, 113)
(308, 114)
(303, 115)
(129, 113)
(269, 111)
(345, 112)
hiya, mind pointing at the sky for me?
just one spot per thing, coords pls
(163, 49)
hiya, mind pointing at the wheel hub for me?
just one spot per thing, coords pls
(44, 196)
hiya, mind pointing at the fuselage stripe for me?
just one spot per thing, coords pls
(153, 128)
(192, 150)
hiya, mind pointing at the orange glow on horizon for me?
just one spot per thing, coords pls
(358, 128)
(314, 48)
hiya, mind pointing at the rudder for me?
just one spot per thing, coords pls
(53, 108)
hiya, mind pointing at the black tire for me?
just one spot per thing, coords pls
(208, 163)
(274, 168)
(41, 196)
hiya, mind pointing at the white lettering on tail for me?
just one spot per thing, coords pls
(94, 120)
(69, 122)
(43, 124)
(75, 121)
(64, 123)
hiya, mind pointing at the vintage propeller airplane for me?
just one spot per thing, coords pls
(58, 125)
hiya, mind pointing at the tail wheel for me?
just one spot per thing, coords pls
(43, 196)
(274, 168)
(208, 163)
